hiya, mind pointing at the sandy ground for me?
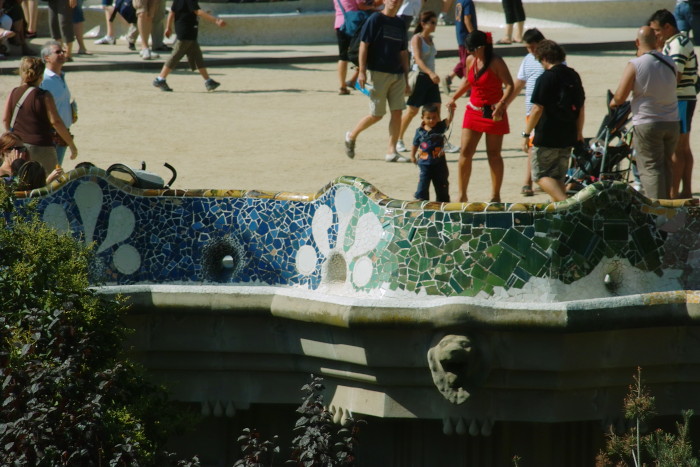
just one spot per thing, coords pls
(280, 128)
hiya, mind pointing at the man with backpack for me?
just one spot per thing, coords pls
(383, 52)
(557, 117)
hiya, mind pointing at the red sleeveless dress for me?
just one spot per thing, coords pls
(486, 91)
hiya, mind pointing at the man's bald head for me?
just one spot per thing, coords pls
(646, 38)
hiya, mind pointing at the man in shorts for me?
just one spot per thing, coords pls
(557, 117)
(146, 10)
(383, 51)
(680, 48)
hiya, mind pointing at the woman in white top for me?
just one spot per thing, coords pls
(426, 89)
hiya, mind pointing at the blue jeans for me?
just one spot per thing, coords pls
(684, 16)
(439, 174)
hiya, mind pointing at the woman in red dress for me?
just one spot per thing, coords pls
(491, 86)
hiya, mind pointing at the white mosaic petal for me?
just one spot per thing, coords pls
(345, 201)
(306, 260)
(368, 233)
(320, 226)
(88, 198)
(55, 216)
(127, 259)
(362, 272)
(120, 226)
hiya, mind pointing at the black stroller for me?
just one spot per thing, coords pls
(601, 157)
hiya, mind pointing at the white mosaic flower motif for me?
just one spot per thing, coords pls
(89, 199)
(368, 232)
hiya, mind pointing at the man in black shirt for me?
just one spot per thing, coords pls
(557, 117)
(185, 14)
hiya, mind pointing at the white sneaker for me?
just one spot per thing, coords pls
(396, 157)
(146, 54)
(441, 20)
(106, 40)
(451, 148)
(400, 147)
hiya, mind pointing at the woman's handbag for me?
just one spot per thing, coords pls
(353, 19)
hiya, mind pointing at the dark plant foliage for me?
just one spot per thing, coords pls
(654, 449)
(256, 452)
(69, 395)
(319, 442)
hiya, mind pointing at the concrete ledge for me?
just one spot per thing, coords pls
(575, 13)
(632, 311)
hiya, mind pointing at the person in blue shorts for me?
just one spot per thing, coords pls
(428, 153)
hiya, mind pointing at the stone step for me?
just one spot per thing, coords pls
(311, 21)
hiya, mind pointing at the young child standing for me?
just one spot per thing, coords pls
(185, 13)
(429, 143)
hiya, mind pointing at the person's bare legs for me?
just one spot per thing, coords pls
(110, 25)
(553, 187)
(79, 29)
(518, 37)
(394, 128)
(682, 168)
(342, 74)
(527, 182)
(144, 24)
(470, 140)
(509, 34)
(203, 71)
(494, 143)
(408, 116)
(362, 125)
(31, 12)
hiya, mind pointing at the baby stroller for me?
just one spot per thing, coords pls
(601, 157)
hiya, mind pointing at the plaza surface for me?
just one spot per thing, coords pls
(277, 121)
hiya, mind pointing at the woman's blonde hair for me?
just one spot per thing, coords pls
(8, 141)
(31, 70)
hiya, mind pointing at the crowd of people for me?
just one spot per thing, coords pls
(662, 81)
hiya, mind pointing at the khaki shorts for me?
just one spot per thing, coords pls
(387, 87)
(44, 155)
(145, 6)
(550, 162)
(189, 48)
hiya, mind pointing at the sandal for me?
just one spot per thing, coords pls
(344, 91)
(526, 190)
(504, 42)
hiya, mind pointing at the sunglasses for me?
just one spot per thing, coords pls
(19, 148)
(59, 52)
(431, 22)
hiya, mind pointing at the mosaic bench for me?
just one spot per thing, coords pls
(350, 238)
(526, 312)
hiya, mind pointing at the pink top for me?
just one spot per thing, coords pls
(349, 5)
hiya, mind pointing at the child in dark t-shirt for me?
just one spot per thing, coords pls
(185, 15)
(429, 143)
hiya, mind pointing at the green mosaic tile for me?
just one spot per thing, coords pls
(478, 272)
(460, 256)
(497, 235)
(464, 280)
(544, 243)
(504, 265)
(615, 232)
(517, 242)
(542, 225)
(452, 245)
(495, 281)
(424, 264)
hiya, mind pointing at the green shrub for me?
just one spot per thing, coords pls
(69, 394)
